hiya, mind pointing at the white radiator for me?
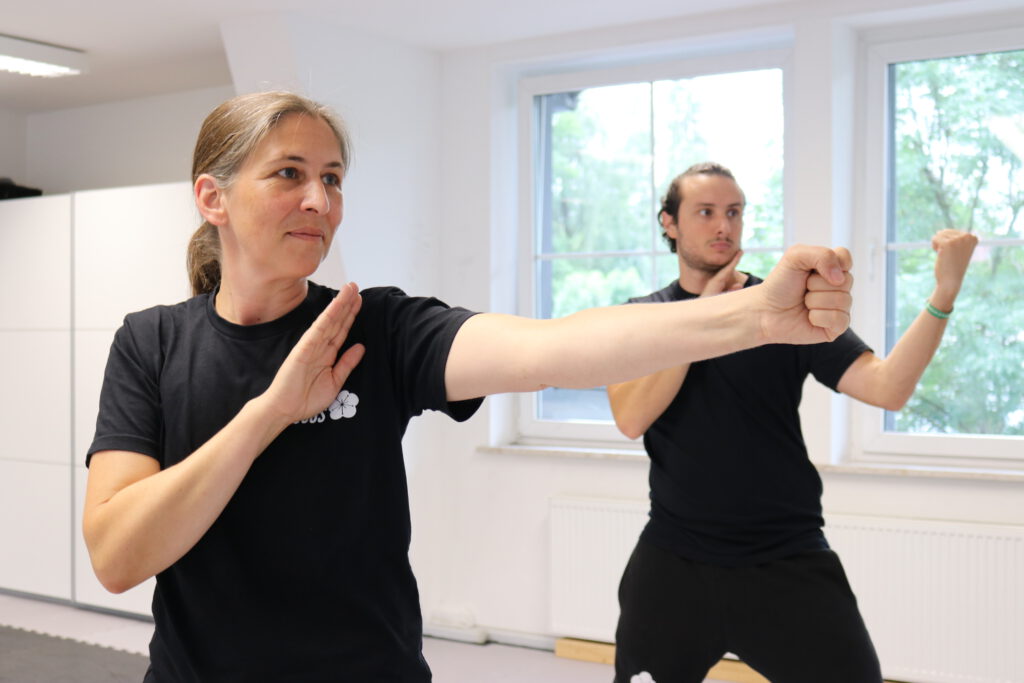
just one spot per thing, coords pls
(591, 539)
(944, 601)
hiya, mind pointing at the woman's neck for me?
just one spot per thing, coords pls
(254, 304)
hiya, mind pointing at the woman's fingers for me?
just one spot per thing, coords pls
(347, 363)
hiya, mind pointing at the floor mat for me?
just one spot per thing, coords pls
(29, 657)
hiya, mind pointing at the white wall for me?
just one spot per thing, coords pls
(390, 96)
(430, 205)
(12, 146)
(495, 522)
(135, 142)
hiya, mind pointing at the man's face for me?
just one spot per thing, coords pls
(708, 228)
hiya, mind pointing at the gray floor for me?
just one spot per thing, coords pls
(452, 662)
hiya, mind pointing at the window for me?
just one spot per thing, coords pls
(602, 158)
(955, 159)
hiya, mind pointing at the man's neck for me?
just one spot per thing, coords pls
(691, 279)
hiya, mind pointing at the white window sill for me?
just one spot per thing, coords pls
(923, 471)
(637, 455)
(563, 451)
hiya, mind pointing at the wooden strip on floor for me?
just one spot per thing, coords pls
(604, 653)
(585, 650)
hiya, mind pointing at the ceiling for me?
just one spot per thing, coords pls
(137, 49)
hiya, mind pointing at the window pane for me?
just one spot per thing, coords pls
(600, 181)
(760, 263)
(600, 154)
(711, 118)
(958, 126)
(580, 283)
(957, 147)
(666, 268)
(585, 283)
(577, 405)
(973, 385)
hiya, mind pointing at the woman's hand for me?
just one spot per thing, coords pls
(806, 297)
(313, 374)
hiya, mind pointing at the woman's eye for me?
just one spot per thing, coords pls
(332, 179)
(290, 172)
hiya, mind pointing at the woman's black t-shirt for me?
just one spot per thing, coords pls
(305, 575)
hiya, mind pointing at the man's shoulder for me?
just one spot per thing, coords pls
(671, 292)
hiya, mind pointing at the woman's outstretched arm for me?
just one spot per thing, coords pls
(804, 300)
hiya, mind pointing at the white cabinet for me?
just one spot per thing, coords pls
(129, 251)
(129, 254)
(35, 401)
(35, 263)
(35, 528)
(71, 267)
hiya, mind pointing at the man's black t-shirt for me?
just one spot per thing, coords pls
(305, 574)
(731, 483)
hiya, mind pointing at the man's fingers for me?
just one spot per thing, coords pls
(725, 279)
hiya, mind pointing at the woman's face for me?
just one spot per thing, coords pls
(285, 204)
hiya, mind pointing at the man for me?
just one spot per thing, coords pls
(733, 558)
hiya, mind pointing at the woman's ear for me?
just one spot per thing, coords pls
(210, 200)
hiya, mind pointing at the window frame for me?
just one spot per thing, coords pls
(876, 445)
(531, 430)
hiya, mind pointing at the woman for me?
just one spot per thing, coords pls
(248, 445)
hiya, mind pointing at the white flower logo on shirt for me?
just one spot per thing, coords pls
(642, 677)
(344, 405)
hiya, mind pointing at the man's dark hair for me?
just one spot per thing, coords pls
(674, 197)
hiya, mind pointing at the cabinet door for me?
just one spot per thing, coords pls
(129, 254)
(35, 401)
(130, 251)
(35, 263)
(35, 528)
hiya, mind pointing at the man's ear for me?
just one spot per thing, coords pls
(668, 225)
(210, 200)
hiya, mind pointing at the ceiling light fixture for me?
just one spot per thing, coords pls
(33, 58)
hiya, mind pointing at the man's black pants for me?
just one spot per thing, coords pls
(794, 620)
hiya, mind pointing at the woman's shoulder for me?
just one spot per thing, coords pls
(182, 308)
(162, 317)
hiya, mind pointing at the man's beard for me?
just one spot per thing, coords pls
(695, 262)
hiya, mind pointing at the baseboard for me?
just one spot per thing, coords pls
(604, 653)
(463, 634)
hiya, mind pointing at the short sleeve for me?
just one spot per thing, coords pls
(420, 334)
(129, 417)
(830, 360)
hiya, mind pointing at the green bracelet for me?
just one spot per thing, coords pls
(936, 312)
